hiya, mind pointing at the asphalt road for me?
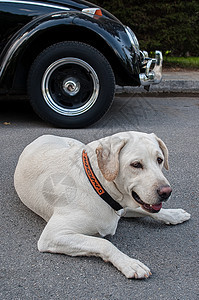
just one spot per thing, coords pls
(171, 252)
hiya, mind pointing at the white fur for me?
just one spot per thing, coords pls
(51, 181)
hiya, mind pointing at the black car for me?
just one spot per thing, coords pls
(68, 56)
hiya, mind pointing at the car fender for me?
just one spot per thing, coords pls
(112, 33)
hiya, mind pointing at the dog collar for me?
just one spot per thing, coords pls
(96, 184)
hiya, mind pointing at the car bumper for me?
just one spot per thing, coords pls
(151, 76)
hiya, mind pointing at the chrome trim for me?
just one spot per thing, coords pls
(153, 76)
(133, 39)
(37, 3)
(145, 54)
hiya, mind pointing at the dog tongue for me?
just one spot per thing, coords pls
(157, 206)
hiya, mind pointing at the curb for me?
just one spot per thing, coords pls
(172, 82)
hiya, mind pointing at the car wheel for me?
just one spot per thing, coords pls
(71, 85)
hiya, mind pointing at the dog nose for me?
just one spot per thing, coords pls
(164, 192)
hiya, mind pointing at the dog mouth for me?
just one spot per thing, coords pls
(152, 208)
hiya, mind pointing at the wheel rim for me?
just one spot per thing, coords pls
(70, 86)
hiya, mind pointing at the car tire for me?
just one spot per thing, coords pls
(71, 85)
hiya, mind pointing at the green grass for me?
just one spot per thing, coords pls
(182, 62)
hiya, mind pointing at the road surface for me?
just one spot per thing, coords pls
(171, 252)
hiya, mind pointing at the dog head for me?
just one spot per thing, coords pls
(133, 161)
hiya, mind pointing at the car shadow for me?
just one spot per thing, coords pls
(17, 109)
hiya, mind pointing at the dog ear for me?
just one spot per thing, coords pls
(165, 151)
(108, 157)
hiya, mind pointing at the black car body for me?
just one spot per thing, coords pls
(68, 55)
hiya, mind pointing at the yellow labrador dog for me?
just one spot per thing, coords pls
(83, 190)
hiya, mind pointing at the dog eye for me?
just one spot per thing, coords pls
(137, 165)
(159, 160)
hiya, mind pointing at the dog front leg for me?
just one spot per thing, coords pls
(168, 216)
(171, 216)
(75, 244)
(134, 213)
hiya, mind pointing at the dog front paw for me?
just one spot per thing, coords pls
(133, 268)
(172, 216)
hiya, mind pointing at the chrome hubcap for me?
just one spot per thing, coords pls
(71, 86)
